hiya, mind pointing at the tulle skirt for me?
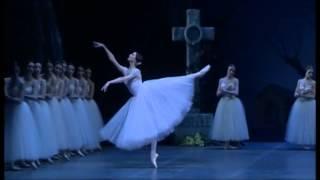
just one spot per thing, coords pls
(95, 118)
(229, 122)
(301, 128)
(152, 114)
(22, 141)
(86, 129)
(73, 134)
(42, 115)
(59, 123)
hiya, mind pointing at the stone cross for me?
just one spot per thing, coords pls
(192, 34)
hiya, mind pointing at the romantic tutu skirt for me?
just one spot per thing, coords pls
(21, 133)
(229, 122)
(45, 126)
(95, 118)
(87, 132)
(73, 135)
(59, 123)
(301, 128)
(152, 113)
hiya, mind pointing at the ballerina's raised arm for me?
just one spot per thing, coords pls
(111, 57)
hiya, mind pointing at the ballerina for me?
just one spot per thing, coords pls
(21, 135)
(95, 114)
(43, 116)
(156, 108)
(59, 89)
(56, 113)
(229, 122)
(301, 128)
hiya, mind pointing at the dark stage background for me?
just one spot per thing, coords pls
(268, 41)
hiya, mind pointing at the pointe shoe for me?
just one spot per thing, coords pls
(306, 147)
(15, 168)
(34, 165)
(204, 70)
(50, 160)
(55, 157)
(38, 162)
(233, 147)
(80, 153)
(154, 160)
(24, 164)
(66, 157)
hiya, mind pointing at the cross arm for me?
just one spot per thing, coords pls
(208, 33)
(177, 33)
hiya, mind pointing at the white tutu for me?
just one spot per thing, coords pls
(152, 113)
(52, 142)
(86, 130)
(21, 133)
(95, 118)
(42, 115)
(229, 122)
(73, 135)
(301, 128)
(58, 121)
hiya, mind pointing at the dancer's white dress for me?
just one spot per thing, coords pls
(156, 108)
(53, 87)
(69, 117)
(301, 128)
(86, 130)
(42, 114)
(95, 118)
(21, 133)
(229, 122)
(94, 115)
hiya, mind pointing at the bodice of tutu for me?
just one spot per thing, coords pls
(228, 84)
(28, 88)
(85, 87)
(37, 87)
(56, 86)
(305, 85)
(13, 91)
(71, 87)
(77, 87)
(134, 84)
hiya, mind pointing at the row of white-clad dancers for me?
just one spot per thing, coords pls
(51, 116)
(229, 122)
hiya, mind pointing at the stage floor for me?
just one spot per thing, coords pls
(254, 161)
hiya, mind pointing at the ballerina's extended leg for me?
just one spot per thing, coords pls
(202, 72)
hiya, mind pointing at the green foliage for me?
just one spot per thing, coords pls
(194, 140)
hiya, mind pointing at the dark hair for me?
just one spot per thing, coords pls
(14, 66)
(139, 57)
(12, 74)
(309, 67)
(232, 65)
